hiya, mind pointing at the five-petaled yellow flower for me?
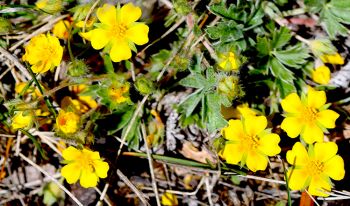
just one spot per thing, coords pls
(308, 117)
(249, 142)
(314, 168)
(43, 52)
(85, 165)
(321, 75)
(22, 120)
(118, 31)
(67, 122)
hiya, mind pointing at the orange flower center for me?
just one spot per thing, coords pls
(119, 30)
(62, 121)
(315, 167)
(309, 115)
(251, 141)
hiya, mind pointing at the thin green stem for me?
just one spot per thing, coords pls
(36, 143)
(287, 184)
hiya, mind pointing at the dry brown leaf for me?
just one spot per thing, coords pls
(191, 152)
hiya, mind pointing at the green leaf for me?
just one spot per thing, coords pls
(314, 5)
(214, 118)
(227, 31)
(194, 81)
(124, 120)
(280, 37)
(233, 12)
(263, 46)
(191, 102)
(132, 137)
(285, 88)
(293, 56)
(332, 24)
(279, 71)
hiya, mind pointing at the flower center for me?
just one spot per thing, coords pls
(87, 163)
(62, 121)
(315, 167)
(309, 114)
(251, 141)
(119, 30)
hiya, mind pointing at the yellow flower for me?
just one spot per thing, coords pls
(249, 142)
(34, 91)
(43, 52)
(332, 58)
(321, 75)
(118, 31)
(60, 29)
(169, 199)
(308, 117)
(85, 165)
(67, 122)
(313, 169)
(119, 94)
(89, 23)
(22, 120)
(228, 62)
(245, 111)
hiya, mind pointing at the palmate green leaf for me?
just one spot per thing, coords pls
(225, 31)
(332, 24)
(232, 12)
(280, 37)
(195, 81)
(213, 114)
(340, 9)
(133, 137)
(263, 46)
(315, 5)
(191, 102)
(294, 56)
(279, 71)
(285, 88)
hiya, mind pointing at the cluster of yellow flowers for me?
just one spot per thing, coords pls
(249, 143)
(118, 32)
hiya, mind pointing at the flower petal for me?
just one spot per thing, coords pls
(334, 168)
(325, 150)
(138, 33)
(101, 168)
(298, 155)
(99, 38)
(71, 153)
(234, 131)
(297, 179)
(256, 161)
(253, 125)
(292, 125)
(71, 172)
(316, 99)
(292, 103)
(129, 13)
(107, 14)
(269, 144)
(232, 153)
(88, 179)
(312, 133)
(319, 185)
(120, 51)
(327, 118)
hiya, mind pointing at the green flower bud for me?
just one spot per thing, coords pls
(5, 26)
(77, 68)
(144, 86)
(50, 6)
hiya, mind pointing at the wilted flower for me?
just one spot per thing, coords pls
(67, 122)
(321, 75)
(22, 120)
(118, 31)
(50, 6)
(249, 142)
(85, 165)
(307, 117)
(43, 52)
(314, 168)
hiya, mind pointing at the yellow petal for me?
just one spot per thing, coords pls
(312, 133)
(86, 35)
(129, 13)
(101, 168)
(334, 168)
(99, 38)
(321, 75)
(91, 154)
(292, 103)
(88, 179)
(297, 179)
(71, 153)
(318, 186)
(298, 155)
(316, 99)
(234, 131)
(292, 125)
(232, 153)
(332, 58)
(120, 51)
(71, 172)
(138, 33)
(253, 125)
(327, 118)
(256, 161)
(107, 14)
(169, 199)
(325, 151)
(269, 144)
